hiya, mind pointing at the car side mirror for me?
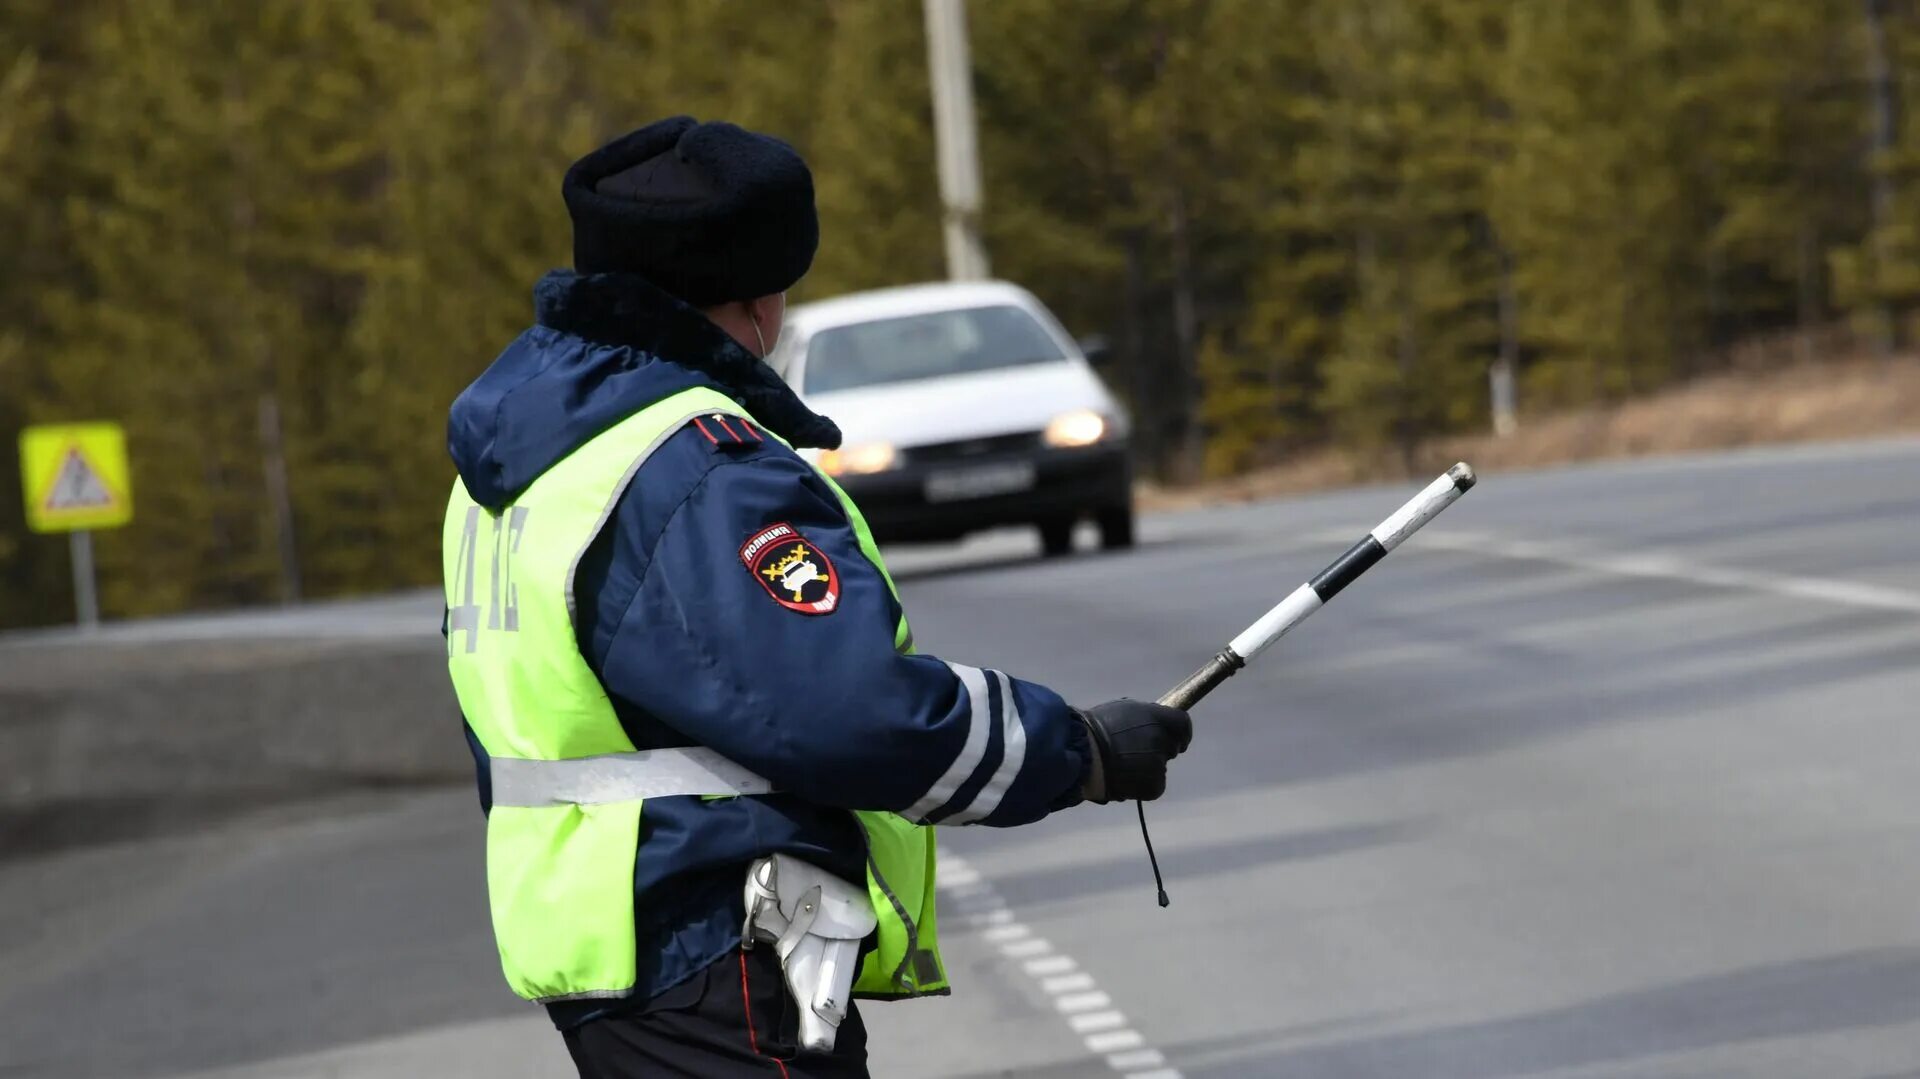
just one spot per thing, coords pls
(1097, 351)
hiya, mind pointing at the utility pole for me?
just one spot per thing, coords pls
(950, 72)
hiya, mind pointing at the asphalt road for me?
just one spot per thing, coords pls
(1614, 771)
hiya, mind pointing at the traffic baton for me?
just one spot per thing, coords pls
(1313, 595)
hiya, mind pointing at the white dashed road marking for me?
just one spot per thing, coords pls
(1088, 1011)
(1115, 1039)
(1082, 1002)
(1067, 983)
(1653, 564)
(1098, 1021)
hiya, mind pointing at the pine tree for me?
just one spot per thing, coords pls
(275, 240)
(40, 63)
(1594, 201)
(1877, 279)
(704, 59)
(25, 108)
(1783, 149)
(1289, 269)
(1103, 200)
(871, 147)
(1399, 171)
(467, 218)
(206, 296)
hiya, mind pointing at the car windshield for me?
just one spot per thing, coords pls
(926, 346)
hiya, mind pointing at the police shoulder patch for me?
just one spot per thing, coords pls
(797, 574)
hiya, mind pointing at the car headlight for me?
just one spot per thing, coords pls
(858, 460)
(1081, 427)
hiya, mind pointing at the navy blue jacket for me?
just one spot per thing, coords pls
(695, 647)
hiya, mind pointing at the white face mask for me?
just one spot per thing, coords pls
(760, 338)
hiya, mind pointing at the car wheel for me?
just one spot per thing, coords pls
(1116, 528)
(1056, 537)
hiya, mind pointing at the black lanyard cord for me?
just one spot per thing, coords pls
(1158, 883)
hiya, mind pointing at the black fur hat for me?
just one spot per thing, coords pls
(707, 212)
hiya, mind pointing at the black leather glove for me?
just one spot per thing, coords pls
(1132, 743)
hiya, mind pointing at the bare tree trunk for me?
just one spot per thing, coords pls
(273, 458)
(1139, 372)
(279, 496)
(1718, 333)
(1807, 313)
(1506, 365)
(1186, 331)
(1407, 356)
(1626, 363)
(1880, 83)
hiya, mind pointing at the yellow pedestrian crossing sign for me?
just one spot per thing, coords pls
(75, 477)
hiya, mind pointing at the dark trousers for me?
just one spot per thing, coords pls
(735, 1019)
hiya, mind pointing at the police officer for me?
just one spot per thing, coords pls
(681, 661)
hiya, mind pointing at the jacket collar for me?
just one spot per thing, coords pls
(627, 310)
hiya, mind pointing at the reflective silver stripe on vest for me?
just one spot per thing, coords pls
(620, 777)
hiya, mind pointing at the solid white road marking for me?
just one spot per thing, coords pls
(1659, 566)
(1088, 1011)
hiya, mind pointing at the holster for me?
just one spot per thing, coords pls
(816, 922)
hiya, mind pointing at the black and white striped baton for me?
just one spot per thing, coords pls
(1311, 596)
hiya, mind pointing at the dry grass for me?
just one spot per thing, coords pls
(1853, 399)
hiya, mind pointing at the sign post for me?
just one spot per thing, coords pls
(86, 597)
(76, 480)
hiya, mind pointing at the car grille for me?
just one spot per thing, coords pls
(971, 449)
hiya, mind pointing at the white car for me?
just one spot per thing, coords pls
(964, 406)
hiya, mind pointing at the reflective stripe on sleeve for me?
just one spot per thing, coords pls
(1014, 742)
(974, 680)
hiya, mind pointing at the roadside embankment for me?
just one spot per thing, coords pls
(123, 736)
(1807, 403)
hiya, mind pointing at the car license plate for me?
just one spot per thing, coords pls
(979, 482)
